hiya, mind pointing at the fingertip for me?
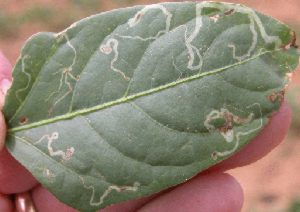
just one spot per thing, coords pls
(46, 202)
(14, 178)
(129, 206)
(6, 203)
(237, 192)
(210, 192)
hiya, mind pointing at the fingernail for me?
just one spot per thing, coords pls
(24, 203)
(5, 85)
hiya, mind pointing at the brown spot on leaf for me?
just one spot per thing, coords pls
(277, 96)
(229, 12)
(230, 119)
(292, 42)
(294, 39)
(228, 125)
(23, 120)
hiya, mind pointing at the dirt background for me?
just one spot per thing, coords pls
(271, 184)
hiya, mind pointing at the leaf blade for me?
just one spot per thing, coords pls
(131, 116)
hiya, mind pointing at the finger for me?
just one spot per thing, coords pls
(6, 203)
(5, 77)
(199, 194)
(46, 202)
(14, 178)
(211, 192)
(5, 82)
(129, 206)
(5, 68)
(24, 203)
(2, 131)
(270, 137)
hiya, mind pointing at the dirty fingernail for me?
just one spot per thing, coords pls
(5, 85)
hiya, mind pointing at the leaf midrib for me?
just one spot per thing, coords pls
(131, 97)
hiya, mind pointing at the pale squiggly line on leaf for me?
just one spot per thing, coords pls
(50, 139)
(230, 135)
(112, 46)
(138, 16)
(66, 73)
(94, 202)
(27, 75)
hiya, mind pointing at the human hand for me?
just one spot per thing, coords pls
(211, 190)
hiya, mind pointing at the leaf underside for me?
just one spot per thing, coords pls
(129, 102)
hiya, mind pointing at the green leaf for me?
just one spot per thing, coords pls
(126, 103)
